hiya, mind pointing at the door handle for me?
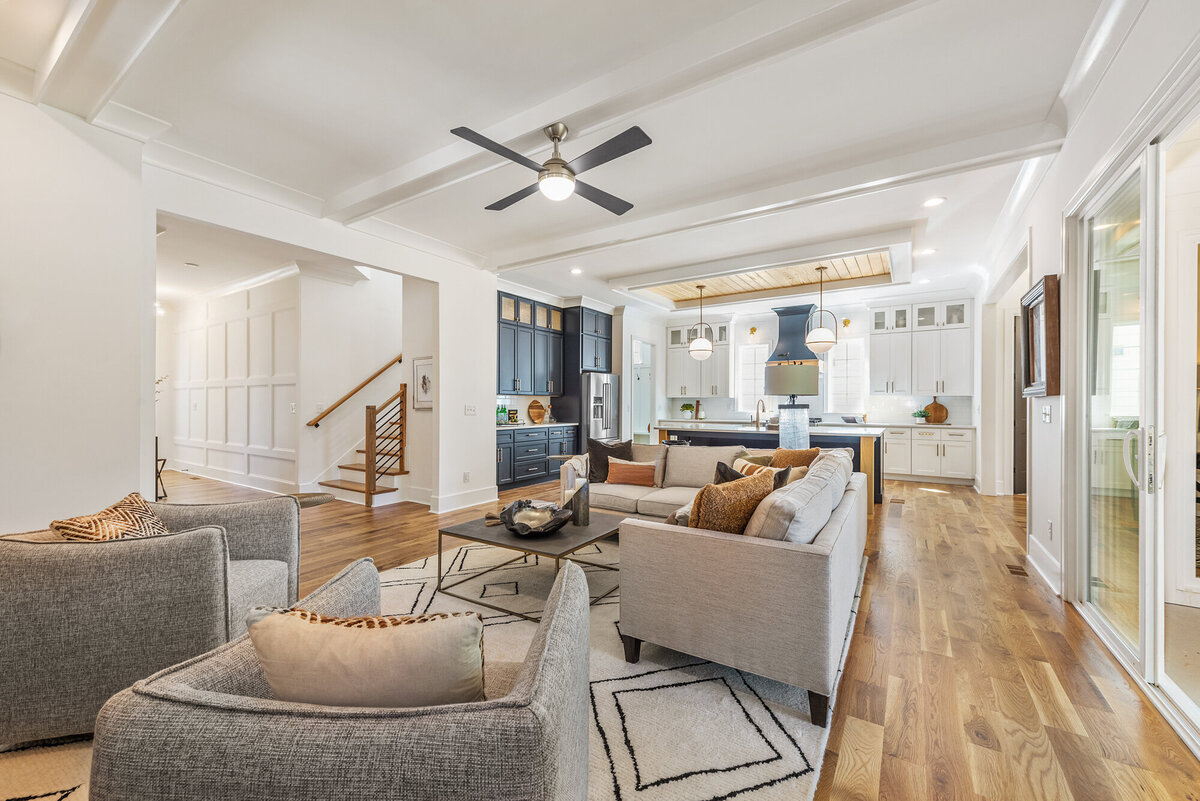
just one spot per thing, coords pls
(1129, 435)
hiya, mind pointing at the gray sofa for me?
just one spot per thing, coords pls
(771, 607)
(209, 728)
(80, 621)
(684, 472)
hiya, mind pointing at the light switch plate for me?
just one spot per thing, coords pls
(1045, 414)
(469, 410)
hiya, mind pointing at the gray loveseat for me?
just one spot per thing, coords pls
(80, 621)
(209, 728)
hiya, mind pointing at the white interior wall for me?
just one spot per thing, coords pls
(420, 340)
(347, 332)
(76, 319)
(630, 322)
(1162, 34)
(464, 365)
(235, 373)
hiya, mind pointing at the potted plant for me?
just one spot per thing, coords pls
(686, 410)
(921, 416)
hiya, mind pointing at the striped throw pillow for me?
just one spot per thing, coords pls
(640, 474)
(127, 518)
(748, 468)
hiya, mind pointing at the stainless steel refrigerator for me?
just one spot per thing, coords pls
(599, 404)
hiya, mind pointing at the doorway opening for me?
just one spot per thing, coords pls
(1020, 432)
(643, 391)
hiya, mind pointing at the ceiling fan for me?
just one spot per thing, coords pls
(556, 177)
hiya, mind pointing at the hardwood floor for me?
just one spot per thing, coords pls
(965, 680)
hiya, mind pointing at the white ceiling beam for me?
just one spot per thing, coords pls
(798, 254)
(789, 292)
(97, 43)
(761, 33)
(1112, 23)
(924, 164)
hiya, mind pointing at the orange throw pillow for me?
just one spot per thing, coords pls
(640, 474)
(798, 458)
(728, 507)
(128, 517)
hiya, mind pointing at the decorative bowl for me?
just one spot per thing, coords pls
(525, 519)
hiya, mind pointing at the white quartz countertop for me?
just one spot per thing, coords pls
(508, 426)
(748, 428)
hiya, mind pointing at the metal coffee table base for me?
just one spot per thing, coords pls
(445, 589)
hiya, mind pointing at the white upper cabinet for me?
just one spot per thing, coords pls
(890, 366)
(891, 318)
(689, 378)
(941, 314)
(942, 362)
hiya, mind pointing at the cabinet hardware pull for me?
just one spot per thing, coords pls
(497, 456)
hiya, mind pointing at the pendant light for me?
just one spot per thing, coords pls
(702, 346)
(821, 339)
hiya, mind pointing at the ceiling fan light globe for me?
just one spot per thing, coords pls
(820, 340)
(700, 348)
(555, 180)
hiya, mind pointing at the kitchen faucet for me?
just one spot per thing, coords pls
(759, 408)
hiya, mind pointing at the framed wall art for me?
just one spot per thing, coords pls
(1041, 348)
(423, 384)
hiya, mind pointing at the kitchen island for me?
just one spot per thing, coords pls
(866, 442)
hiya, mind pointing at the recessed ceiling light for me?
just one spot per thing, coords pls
(576, 271)
(934, 201)
(927, 252)
(190, 264)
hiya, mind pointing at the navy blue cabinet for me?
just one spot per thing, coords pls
(504, 457)
(506, 371)
(530, 347)
(524, 361)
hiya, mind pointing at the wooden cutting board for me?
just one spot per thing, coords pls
(937, 412)
(537, 412)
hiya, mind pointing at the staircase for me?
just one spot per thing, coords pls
(383, 456)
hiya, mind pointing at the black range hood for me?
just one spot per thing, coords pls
(791, 347)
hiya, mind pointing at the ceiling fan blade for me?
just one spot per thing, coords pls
(602, 198)
(496, 147)
(504, 203)
(614, 148)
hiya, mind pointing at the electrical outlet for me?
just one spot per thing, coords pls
(466, 477)
(469, 410)
(292, 408)
(1050, 529)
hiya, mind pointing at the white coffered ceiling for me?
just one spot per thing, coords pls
(776, 123)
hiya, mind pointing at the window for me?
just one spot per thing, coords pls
(846, 376)
(751, 377)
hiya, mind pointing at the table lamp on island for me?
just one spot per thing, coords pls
(792, 379)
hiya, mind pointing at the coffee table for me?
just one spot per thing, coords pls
(557, 546)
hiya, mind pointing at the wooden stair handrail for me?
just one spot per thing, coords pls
(315, 422)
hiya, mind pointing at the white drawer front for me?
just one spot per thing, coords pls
(959, 435)
(896, 433)
(925, 434)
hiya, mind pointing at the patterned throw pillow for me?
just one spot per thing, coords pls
(725, 473)
(375, 661)
(639, 474)
(129, 517)
(728, 507)
(794, 458)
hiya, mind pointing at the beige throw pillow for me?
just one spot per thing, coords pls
(384, 661)
(749, 468)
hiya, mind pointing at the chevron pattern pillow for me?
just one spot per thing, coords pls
(129, 517)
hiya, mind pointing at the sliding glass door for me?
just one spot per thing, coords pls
(1119, 518)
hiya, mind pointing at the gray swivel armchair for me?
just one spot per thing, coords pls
(80, 621)
(210, 728)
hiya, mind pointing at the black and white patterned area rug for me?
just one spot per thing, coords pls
(669, 727)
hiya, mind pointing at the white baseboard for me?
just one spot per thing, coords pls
(440, 504)
(1044, 563)
(419, 495)
(238, 479)
(960, 482)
